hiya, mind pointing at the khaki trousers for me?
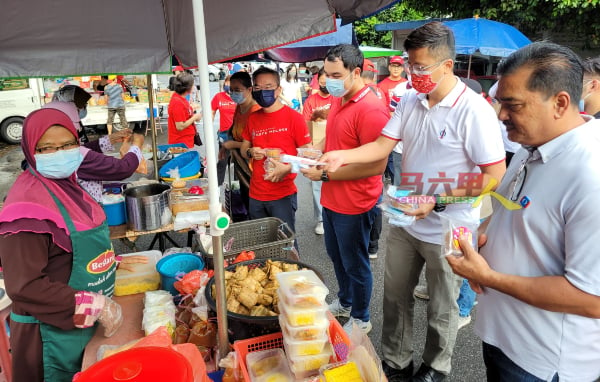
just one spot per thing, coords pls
(404, 261)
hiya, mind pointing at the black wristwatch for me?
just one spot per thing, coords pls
(324, 176)
(438, 207)
(249, 153)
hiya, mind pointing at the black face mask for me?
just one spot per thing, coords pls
(323, 89)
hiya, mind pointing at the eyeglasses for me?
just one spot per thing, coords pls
(519, 181)
(53, 149)
(420, 69)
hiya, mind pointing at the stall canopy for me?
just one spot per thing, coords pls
(315, 48)
(68, 37)
(374, 51)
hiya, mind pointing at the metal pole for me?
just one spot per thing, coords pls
(152, 125)
(216, 211)
(469, 67)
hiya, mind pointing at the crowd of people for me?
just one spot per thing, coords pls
(533, 265)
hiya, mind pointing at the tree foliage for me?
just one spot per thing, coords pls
(535, 18)
(365, 29)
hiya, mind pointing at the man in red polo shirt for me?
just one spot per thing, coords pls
(223, 103)
(387, 85)
(349, 196)
(272, 194)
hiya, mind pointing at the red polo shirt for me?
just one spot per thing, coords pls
(223, 103)
(315, 102)
(386, 86)
(180, 111)
(284, 129)
(357, 122)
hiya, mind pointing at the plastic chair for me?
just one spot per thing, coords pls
(157, 120)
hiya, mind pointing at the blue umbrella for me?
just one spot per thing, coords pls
(489, 37)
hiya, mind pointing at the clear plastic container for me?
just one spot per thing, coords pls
(268, 366)
(304, 333)
(340, 372)
(300, 348)
(301, 317)
(302, 289)
(307, 365)
(144, 277)
(309, 152)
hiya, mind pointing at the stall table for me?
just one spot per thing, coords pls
(121, 232)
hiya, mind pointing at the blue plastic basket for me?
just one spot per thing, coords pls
(165, 148)
(188, 164)
(177, 264)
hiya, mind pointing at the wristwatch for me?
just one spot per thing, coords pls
(438, 207)
(324, 176)
(249, 153)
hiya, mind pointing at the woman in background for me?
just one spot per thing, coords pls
(182, 114)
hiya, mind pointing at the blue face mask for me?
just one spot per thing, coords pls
(264, 98)
(59, 165)
(226, 88)
(336, 86)
(237, 97)
(581, 105)
(82, 113)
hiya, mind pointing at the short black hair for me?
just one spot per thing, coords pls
(555, 68)
(436, 37)
(350, 56)
(104, 77)
(183, 82)
(591, 66)
(265, 70)
(243, 77)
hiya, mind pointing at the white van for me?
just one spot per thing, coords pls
(15, 105)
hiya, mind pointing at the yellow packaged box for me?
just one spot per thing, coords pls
(142, 278)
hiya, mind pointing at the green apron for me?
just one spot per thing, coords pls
(94, 271)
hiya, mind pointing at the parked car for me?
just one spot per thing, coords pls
(213, 72)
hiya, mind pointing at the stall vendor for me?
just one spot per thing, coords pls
(58, 260)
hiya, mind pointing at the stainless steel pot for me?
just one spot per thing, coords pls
(147, 206)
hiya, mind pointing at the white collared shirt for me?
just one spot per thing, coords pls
(455, 136)
(557, 234)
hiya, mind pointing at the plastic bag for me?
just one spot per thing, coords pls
(364, 355)
(452, 230)
(394, 203)
(191, 282)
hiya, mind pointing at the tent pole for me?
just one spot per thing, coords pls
(152, 124)
(469, 68)
(219, 221)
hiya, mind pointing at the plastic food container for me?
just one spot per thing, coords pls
(341, 372)
(273, 153)
(310, 153)
(144, 277)
(307, 365)
(301, 317)
(187, 203)
(303, 347)
(268, 366)
(302, 289)
(304, 333)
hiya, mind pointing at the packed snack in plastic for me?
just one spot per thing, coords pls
(394, 203)
(268, 365)
(310, 153)
(341, 372)
(304, 333)
(301, 317)
(273, 153)
(452, 230)
(302, 289)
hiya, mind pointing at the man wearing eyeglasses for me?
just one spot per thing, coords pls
(538, 273)
(448, 131)
(590, 98)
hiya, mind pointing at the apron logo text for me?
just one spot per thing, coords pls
(101, 263)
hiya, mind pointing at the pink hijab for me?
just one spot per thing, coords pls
(29, 207)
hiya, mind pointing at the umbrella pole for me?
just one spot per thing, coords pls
(152, 124)
(219, 221)
(469, 67)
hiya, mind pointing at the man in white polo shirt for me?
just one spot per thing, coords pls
(451, 147)
(539, 271)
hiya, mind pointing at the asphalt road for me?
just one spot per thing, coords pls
(467, 363)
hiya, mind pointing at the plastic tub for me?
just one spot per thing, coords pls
(144, 277)
(301, 317)
(302, 289)
(114, 208)
(302, 348)
(306, 365)
(268, 365)
(177, 264)
(144, 364)
(304, 333)
(188, 164)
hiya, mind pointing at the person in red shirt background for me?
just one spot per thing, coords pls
(223, 103)
(272, 194)
(387, 85)
(316, 109)
(182, 120)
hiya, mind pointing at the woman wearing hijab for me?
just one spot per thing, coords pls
(58, 260)
(182, 120)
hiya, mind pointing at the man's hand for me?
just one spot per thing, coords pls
(279, 172)
(197, 117)
(471, 265)
(257, 153)
(119, 136)
(334, 159)
(138, 140)
(421, 212)
(313, 173)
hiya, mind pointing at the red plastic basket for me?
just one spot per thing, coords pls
(338, 337)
